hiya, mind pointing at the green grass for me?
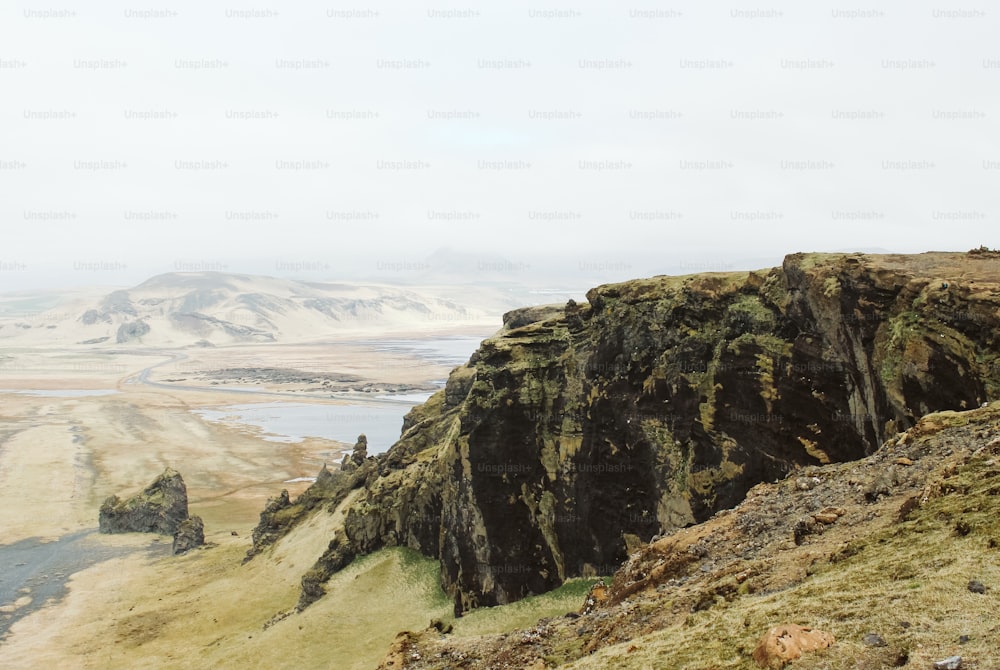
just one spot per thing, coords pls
(908, 583)
(524, 613)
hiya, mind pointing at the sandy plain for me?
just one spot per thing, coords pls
(126, 601)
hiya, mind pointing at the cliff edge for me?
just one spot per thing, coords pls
(579, 430)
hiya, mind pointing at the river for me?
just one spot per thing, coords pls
(380, 418)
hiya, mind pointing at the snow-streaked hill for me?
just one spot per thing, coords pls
(179, 309)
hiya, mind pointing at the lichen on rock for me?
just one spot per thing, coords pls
(190, 534)
(159, 508)
(662, 402)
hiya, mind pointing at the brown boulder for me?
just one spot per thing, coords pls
(787, 642)
(829, 515)
(598, 594)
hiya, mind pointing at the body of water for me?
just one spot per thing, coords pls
(380, 418)
(381, 422)
(40, 570)
(452, 351)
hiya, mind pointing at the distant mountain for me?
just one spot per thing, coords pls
(210, 308)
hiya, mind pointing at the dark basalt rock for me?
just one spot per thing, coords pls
(336, 557)
(160, 508)
(190, 534)
(281, 514)
(273, 524)
(360, 452)
(665, 400)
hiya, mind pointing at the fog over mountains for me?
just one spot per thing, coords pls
(213, 308)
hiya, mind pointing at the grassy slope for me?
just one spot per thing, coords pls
(902, 575)
(204, 609)
(524, 613)
(916, 572)
(906, 581)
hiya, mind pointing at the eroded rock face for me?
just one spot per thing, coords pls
(190, 534)
(726, 563)
(281, 514)
(336, 557)
(272, 523)
(160, 508)
(665, 400)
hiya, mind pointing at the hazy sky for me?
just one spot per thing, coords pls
(324, 139)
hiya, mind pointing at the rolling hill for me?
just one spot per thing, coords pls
(213, 308)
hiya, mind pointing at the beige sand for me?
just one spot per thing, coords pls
(61, 456)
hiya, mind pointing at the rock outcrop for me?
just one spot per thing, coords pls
(273, 524)
(665, 400)
(281, 514)
(701, 596)
(360, 452)
(190, 534)
(160, 508)
(357, 456)
(337, 556)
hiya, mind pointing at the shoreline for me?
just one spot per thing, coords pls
(80, 425)
(38, 572)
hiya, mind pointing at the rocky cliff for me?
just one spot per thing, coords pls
(894, 554)
(579, 429)
(161, 507)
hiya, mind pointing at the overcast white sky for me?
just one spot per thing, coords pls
(323, 139)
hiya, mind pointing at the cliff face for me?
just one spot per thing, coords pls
(664, 400)
(162, 507)
(916, 525)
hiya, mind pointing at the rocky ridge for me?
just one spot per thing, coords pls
(580, 431)
(894, 563)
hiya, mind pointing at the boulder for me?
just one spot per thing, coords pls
(160, 508)
(190, 534)
(788, 642)
(874, 640)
